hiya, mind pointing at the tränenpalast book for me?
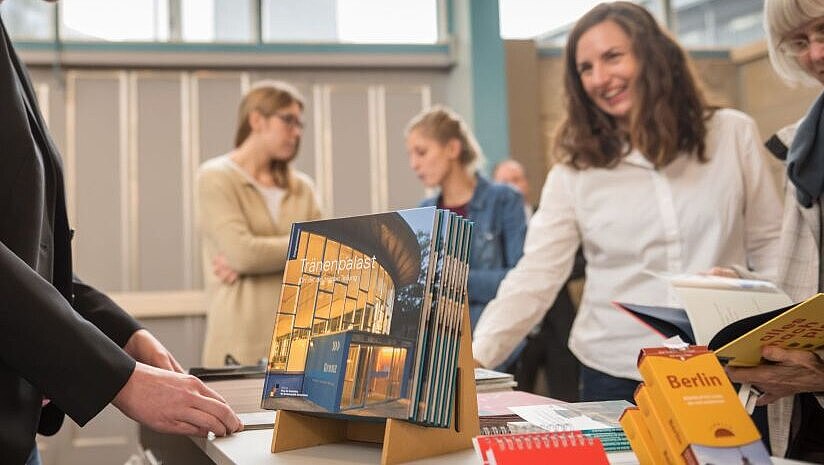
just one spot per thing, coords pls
(368, 323)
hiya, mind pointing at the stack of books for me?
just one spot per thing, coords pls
(495, 414)
(513, 412)
(688, 412)
(491, 380)
(370, 314)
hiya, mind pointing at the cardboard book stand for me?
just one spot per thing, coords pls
(401, 440)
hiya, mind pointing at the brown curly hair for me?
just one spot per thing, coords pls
(669, 112)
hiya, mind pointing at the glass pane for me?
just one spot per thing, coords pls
(352, 21)
(549, 23)
(114, 20)
(712, 23)
(217, 20)
(28, 19)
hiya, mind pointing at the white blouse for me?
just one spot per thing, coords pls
(272, 195)
(632, 219)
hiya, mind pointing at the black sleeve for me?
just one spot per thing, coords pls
(50, 345)
(102, 312)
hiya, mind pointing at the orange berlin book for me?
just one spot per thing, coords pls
(698, 407)
(665, 444)
(640, 438)
(536, 448)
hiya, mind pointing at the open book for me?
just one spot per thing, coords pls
(735, 317)
(799, 327)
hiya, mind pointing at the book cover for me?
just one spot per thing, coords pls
(698, 408)
(799, 327)
(640, 438)
(664, 444)
(538, 448)
(348, 324)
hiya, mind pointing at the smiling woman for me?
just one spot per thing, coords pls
(650, 178)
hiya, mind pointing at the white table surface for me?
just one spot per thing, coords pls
(252, 448)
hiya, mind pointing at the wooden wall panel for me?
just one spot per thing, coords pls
(96, 167)
(215, 98)
(162, 246)
(404, 190)
(351, 192)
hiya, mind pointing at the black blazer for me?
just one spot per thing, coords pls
(59, 338)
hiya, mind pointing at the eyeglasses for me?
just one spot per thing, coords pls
(290, 120)
(800, 45)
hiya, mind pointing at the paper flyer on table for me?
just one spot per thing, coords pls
(556, 418)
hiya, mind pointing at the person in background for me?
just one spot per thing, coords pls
(248, 200)
(511, 171)
(649, 177)
(793, 384)
(546, 345)
(443, 153)
(65, 346)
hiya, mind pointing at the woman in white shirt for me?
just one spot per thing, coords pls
(650, 179)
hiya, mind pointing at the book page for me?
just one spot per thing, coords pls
(710, 309)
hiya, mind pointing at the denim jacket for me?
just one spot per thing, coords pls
(497, 239)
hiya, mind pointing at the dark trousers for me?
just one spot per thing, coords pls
(597, 385)
(548, 349)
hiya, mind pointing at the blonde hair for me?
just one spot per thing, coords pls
(442, 124)
(267, 97)
(780, 18)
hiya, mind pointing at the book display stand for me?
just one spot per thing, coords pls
(401, 440)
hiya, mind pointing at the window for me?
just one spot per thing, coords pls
(29, 19)
(715, 23)
(698, 23)
(350, 21)
(549, 23)
(227, 21)
(218, 21)
(114, 20)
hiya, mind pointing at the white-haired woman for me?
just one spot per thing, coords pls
(794, 384)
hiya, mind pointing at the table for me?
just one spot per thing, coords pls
(252, 448)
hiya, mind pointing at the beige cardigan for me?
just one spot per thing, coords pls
(234, 220)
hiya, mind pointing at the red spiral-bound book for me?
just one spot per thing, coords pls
(534, 448)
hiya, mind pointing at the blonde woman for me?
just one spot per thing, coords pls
(248, 200)
(444, 155)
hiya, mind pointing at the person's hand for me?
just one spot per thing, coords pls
(175, 403)
(795, 371)
(145, 348)
(723, 271)
(225, 273)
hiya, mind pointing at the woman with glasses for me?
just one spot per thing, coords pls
(793, 385)
(649, 178)
(247, 202)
